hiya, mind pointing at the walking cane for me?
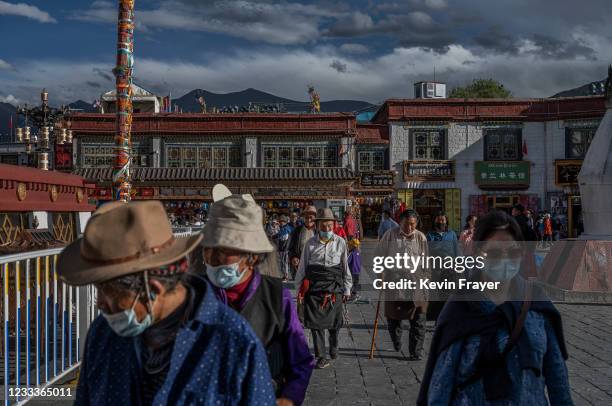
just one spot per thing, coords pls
(375, 332)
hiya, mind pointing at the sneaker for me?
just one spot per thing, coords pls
(322, 363)
(414, 357)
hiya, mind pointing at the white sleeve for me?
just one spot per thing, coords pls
(348, 278)
(301, 271)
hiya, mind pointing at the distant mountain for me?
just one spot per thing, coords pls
(189, 101)
(590, 89)
(6, 110)
(82, 106)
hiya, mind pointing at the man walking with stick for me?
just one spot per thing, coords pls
(404, 304)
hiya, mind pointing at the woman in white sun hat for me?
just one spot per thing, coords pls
(234, 246)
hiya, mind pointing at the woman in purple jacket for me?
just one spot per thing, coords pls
(354, 263)
(234, 246)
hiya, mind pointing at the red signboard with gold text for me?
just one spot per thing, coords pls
(63, 156)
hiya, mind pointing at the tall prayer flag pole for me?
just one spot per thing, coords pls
(123, 76)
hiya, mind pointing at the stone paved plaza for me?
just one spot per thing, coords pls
(390, 379)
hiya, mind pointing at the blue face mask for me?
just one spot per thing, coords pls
(126, 324)
(326, 235)
(503, 269)
(224, 276)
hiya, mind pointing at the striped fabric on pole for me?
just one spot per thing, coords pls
(28, 322)
(55, 313)
(17, 322)
(5, 272)
(38, 324)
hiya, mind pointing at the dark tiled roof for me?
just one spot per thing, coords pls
(221, 174)
(372, 134)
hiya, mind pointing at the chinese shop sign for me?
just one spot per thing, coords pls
(429, 171)
(509, 174)
(566, 171)
(376, 179)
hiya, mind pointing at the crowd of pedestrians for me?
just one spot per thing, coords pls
(207, 319)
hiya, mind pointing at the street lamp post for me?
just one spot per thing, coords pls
(50, 131)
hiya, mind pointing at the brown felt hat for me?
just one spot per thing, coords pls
(121, 239)
(325, 214)
(309, 209)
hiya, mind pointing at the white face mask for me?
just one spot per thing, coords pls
(224, 276)
(504, 269)
(126, 324)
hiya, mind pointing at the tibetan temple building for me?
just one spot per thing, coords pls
(460, 156)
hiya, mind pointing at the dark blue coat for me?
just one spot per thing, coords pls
(217, 360)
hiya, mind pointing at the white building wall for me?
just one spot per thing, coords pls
(465, 146)
(555, 141)
(250, 152)
(545, 143)
(399, 146)
(346, 159)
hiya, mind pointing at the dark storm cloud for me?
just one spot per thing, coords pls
(496, 39)
(339, 66)
(353, 25)
(500, 27)
(554, 48)
(103, 74)
(272, 22)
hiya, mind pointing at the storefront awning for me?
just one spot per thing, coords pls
(222, 174)
(427, 185)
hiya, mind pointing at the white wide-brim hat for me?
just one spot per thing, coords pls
(236, 222)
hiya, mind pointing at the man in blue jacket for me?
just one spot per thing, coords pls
(162, 336)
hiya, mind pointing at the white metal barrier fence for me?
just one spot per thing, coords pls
(45, 321)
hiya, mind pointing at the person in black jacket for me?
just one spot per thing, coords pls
(300, 236)
(518, 212)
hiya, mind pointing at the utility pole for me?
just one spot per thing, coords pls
(123, 76)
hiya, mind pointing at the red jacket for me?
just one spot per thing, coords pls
(339, 231)
(350, 226)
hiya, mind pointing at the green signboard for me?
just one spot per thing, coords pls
(506, 174)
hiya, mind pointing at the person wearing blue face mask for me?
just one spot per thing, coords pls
(503, 345)
(325, 283)
(234, 246)
(154, 314)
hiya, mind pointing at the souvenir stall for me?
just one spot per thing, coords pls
(186, 213)
(371, 209)
(280, 207)
(372, 195)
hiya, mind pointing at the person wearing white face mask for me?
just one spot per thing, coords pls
(501, 346)
(325, 283)
(154, 315)
(234, 247)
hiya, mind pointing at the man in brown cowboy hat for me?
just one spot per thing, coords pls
(300, 236)
(162, 337)
(324, 282)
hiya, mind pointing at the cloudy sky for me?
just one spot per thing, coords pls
(360, 49)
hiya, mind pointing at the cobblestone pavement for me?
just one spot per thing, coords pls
(390, 379)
